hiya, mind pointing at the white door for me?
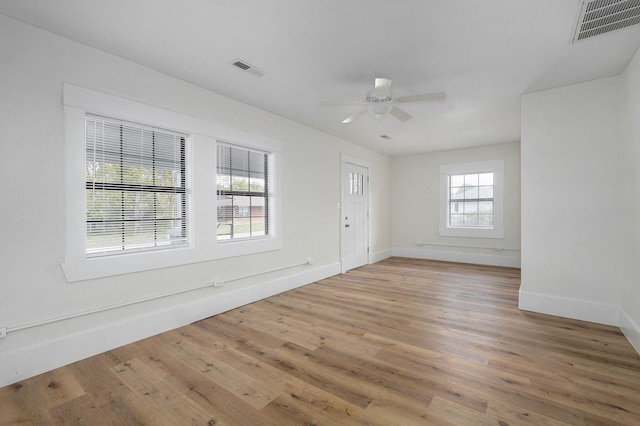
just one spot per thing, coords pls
(354, 233)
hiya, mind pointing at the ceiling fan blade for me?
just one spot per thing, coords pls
(341, 102)
(422, 98)
(400, 114)
(383, 87)
(354, 117)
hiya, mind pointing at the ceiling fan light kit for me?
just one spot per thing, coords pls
(378, 106)
(379, 102)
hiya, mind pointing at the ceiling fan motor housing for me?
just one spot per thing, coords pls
(378, 106)
(380, 102)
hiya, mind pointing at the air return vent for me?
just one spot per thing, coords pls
(245, 66)
(603, 16)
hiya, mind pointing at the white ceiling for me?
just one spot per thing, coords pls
(483, 54)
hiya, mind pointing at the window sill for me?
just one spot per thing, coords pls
(471, 232)
(204, 135)
(82, 268)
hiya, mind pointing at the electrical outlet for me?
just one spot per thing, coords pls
(3, 332)
(218, 283)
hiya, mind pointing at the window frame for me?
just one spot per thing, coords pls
(250, 194)
(492, 166)
(127, 157)
(201, 169)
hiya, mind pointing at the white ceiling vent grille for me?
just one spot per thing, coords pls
(603, 16)
(245, 66)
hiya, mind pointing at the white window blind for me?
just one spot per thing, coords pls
(135, 188)
(243, 192)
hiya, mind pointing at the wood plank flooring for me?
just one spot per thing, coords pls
(400, 342)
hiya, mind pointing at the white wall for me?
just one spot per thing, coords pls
(33, 66)
(416, 208)
(630, 145)
(571, 201)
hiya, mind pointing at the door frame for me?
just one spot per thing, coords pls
(344, 160)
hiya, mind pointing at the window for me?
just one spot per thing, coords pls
(135, 188)
(356, 183)
(471, 199)
(139, 197)
(242, 181)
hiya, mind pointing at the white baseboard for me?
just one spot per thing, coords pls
(132, 323)
(379, 256)
(457, 256)
(631, 329)
(585, 310)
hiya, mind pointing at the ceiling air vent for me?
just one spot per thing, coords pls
(245, 66)
(604, 16)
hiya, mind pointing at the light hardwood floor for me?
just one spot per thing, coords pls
(401, 342)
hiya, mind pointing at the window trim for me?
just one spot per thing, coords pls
(494, 166)
(201, 164)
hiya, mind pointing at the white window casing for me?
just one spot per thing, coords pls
(496, 230)
(201, 143)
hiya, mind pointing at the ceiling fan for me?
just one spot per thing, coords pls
(379, 102)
